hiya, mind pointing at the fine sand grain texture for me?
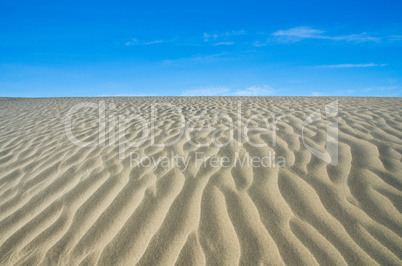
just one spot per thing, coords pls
(62, 204)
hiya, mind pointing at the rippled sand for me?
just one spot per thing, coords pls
(68, 205)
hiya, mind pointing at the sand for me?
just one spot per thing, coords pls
(62, 204)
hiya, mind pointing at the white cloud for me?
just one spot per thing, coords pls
(154, 42)
(224, 43)
(221, 91)
(137, 42)
(255, 91)
(379, 88)
(234, 32)
(395, 38)
(206, 92)
(352, 65)
(299, 33)
(133, 42)
(259, 44)
(207, 37)
(195, 58)
(363, 37)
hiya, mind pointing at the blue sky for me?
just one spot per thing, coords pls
(160, 48)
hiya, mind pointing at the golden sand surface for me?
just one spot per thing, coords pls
(112, 203)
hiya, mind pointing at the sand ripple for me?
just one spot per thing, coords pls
(66, 205)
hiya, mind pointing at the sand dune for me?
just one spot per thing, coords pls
(115, 204)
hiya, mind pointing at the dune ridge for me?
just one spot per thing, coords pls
(61, 204)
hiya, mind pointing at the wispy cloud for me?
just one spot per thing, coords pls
(235, 32)
(212, 37)
(154, 42)
(363, 37)
(351, 65)
(382, 91)
(379, 88)
(132, 42)
(201, 58)
(137, 42)
(255, 91)
(217, 91)
(263, 90)
(395, 38)
(316, 93)
(224, 43)
(259, 43)
(207, 37)
(299, 33)
(334, 93)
